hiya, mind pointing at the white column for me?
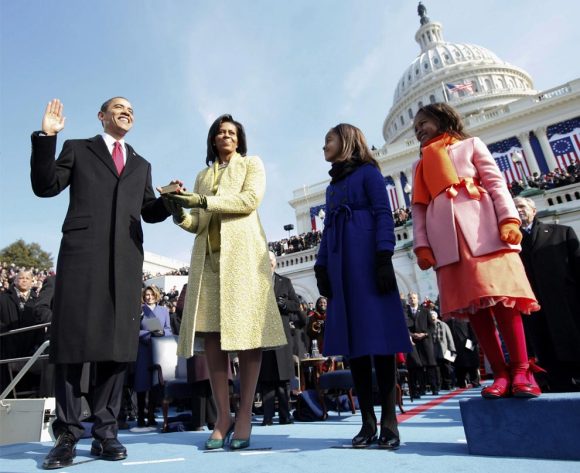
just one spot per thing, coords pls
(400, 194)
(529, 152)
(546, 148)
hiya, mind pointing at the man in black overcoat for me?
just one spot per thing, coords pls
(551, 256)
(98, 282)
(421, 362)
(277, 365)
(17, 311)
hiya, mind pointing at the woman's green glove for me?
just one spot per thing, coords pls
(188, 200)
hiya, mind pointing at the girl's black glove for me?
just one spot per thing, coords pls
(385, 273)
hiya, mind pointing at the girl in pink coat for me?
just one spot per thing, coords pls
(466, 227)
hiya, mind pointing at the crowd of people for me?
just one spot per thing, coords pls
(8, 272)
(295, 243)
(557, 178)
(401, 216)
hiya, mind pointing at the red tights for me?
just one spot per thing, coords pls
(509, 322)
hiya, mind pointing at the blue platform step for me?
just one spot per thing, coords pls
(544, 427)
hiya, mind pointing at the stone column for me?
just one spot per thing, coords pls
(529, 152)
(400, 194)
(546, 148)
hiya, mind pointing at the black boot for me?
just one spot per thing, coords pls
(385, 368)
(362, 375)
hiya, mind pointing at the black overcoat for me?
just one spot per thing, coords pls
(12, 317)
(423, 353)
(551, 256)
(99, 268)
(277, 365)
(462, 331)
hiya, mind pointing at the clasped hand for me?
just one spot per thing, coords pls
(187, 200)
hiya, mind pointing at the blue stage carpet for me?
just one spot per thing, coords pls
(433, 441)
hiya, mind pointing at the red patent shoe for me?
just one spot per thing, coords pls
(500, 387)
(524, 385)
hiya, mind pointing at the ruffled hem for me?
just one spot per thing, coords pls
(521, 304)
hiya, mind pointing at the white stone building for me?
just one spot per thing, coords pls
(541, 129)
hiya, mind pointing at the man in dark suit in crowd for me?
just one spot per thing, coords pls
(98, 283)
(551, 256)
(421, 361)
(277, 365)
(17, 311)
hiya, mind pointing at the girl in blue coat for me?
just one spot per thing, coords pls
(365, 320)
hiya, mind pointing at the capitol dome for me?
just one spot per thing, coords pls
(467, 76)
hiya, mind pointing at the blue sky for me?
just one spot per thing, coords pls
(288, 70)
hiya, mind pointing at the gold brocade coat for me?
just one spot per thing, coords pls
(249, 315)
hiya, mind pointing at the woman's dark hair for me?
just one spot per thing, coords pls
(318, 301)
(214, 129)
(354, 144)
(447, 117)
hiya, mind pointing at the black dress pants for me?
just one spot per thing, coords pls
(203, 408)
(106, 398)
(270, 391)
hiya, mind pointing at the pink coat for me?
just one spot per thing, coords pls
(434, 226)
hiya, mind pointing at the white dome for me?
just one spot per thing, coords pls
(483, 80)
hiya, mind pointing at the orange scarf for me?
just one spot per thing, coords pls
(435, 171)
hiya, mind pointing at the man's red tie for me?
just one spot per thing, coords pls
(118, 157)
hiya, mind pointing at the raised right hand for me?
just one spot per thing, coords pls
(53, 121)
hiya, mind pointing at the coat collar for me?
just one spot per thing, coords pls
(98, 146)
(231, 170)
(540, 232)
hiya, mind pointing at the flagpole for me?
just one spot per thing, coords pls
(445, 93)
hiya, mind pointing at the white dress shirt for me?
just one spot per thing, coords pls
(110, 142)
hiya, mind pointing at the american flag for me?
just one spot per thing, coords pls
(314, 211)
(467, 87)
(565, 141)
(503, 152)
(392, 193)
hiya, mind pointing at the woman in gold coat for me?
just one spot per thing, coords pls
(230, 301)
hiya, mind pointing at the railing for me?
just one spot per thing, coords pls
(300, 260)
(562, 195)
(38, 355)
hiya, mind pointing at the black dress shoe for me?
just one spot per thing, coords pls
(267, 422)
(63, 452)
(364, 439)
(389, 442)
(108, 449)
(285, 421)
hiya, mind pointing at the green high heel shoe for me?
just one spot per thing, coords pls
(239, 444)
(214, 444)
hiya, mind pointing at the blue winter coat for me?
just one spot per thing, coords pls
(358, 223)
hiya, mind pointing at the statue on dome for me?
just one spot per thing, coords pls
(422, 12)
